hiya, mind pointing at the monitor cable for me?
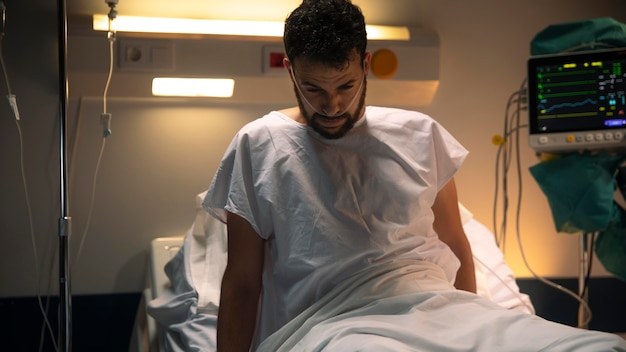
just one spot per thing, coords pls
(509, 147)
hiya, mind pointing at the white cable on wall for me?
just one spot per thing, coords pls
(105, 120)
(507, 145)
(505, 148)
(14, 108)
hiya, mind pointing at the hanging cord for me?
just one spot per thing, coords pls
(579, 298)
(587, 275)
(111, 34)
(586, 248)
(508, 144)
(14, 108)
(105, 119)
(10, 95)
(503, 161)
(45, 326)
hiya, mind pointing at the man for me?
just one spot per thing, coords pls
(343, 224)
(316, 193)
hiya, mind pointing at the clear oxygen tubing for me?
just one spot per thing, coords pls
(323, 113)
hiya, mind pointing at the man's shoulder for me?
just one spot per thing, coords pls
(268, 122)
(274, 117)
(395, 116)
(272, 128)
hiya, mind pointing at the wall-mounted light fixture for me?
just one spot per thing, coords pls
(409, 77)
(223, 27)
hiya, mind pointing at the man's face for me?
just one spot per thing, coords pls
(331, 101)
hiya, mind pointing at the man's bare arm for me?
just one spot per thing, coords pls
(450, 230)
(241, 286)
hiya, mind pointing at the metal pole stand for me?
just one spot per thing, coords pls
(583, 270)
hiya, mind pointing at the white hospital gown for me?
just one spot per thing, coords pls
(332, 208)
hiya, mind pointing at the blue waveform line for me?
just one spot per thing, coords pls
(571, 105)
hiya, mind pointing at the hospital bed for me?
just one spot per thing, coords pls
(187, 303)
(147, 335)
(180, 304)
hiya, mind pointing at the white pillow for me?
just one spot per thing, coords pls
(208, 256)
(494, 279)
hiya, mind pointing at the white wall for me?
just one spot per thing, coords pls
(162, 152)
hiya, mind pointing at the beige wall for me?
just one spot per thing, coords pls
(484, 48)
(162, 152)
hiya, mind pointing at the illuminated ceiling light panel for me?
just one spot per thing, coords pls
(193, 87)
(222, 27)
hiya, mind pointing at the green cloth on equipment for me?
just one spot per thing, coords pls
(580, 190)
(610, 247)
(597, 33)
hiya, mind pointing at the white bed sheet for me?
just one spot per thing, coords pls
(440, 318)
(187, 310)
(407, 306)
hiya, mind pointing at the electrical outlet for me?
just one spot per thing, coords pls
(145, 54)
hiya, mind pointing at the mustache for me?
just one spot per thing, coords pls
(345, 115)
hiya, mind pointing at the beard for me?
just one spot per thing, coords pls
(335, 133)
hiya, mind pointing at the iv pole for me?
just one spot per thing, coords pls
(583, 272)
(65, 296)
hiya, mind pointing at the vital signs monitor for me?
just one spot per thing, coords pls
(576, 101)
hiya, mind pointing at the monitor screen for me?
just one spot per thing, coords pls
(577, 101)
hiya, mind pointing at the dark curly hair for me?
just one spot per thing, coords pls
(325, 31)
